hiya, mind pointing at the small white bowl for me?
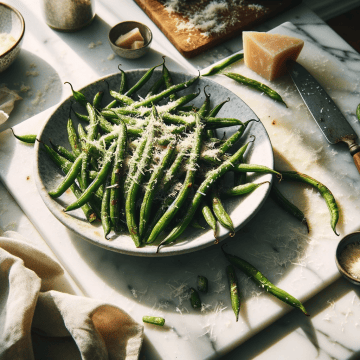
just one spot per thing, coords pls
(11, 22)
(123, 28)
(347, 240)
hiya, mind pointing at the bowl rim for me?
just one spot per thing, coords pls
(338, 253)
(22, 21)
(130, 50)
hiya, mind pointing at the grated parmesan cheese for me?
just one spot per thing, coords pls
(349, 259)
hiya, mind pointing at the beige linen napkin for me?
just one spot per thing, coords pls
(37, 322)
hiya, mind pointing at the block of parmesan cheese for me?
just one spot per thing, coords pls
(126, 40)
(267, 54)
(137, 45)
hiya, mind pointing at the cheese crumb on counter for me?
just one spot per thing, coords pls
(127, 40)
(349, 259)
(267, 54)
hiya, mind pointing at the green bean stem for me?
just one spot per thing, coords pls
(259, 279)
(211, 178)
(234, 290)
(154, 320)
(324, 191)
(256, 85)
(217, 68)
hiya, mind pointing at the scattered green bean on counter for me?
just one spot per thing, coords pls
(154, 320)
(217, 68)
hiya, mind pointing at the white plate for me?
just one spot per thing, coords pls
(241, 209)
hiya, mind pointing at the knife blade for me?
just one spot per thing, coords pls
(327, 115)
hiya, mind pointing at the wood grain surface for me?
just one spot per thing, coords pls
(233, 16)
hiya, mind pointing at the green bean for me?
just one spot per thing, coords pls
(188, 108)
(105, 211)
(242, 189)
(240, 177)
(259, 279)
(202, 284)
(195, 299)
(152, 185)
(288, 206)
(87, 194)
(256, 85)
(211, 178)
(165, 93)
(234, 290)
(185, 189)
(220, 212)
(63, 152)
(234, 138)
(205, 107)
(217, 108)
(262, 169)
(123, 82)
(215, 123)
(210, 219)
(29, 139)
(217, 68)
(324, 191)
(117, 175)
(68, 179)
(73, 139)
(195, 224)
(142, 81)
(156, 87)
(133, 163)
(168, 80)
(358, 112)
(78, 96)
(155, 320)
(123, 99)
(130, 204)
(65, 166)
(97, 100)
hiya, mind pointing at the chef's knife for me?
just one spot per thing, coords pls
(327, 115)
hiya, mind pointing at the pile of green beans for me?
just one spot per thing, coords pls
(133, 157)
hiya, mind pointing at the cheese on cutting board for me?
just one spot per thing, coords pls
(267, 54)
(126, 40)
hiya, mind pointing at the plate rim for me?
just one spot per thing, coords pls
(73, 224)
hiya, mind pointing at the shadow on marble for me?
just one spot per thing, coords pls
(292, 321)
(36, 81)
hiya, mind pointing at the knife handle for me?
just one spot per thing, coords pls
(355, 153)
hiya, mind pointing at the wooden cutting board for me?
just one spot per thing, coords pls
(194, 26)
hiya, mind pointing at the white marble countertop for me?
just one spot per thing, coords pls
(334, 327)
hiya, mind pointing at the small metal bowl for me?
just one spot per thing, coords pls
(347, 240)
(123, 28)
(11, 22)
